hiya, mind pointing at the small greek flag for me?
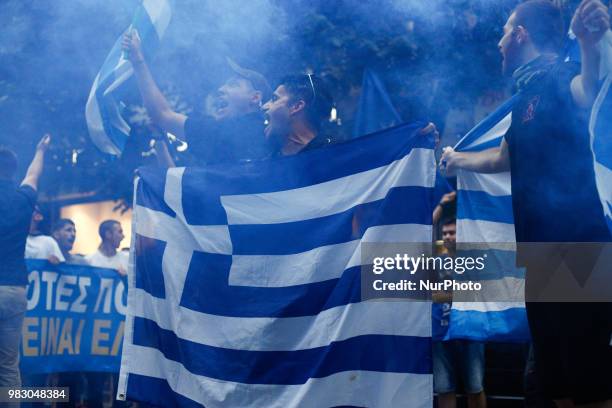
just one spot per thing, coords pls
(107, 129)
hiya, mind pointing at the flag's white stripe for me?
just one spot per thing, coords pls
(319, 264)
(159, 12)
(173, 191)
(131, 280)
(493, 184)
(604, 184)
(332, 197)
(496, 131)
(339, 323)
(487, 306)
(345, 388)
(95, 124)
(158, 225)
(484, 231)
(122, 72)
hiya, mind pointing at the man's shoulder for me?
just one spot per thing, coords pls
(42, 247)
(41, 240)
(23, 197)
(93, 256)
(77, 259)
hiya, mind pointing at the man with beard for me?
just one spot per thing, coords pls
(554, 197)
(234, 132)
(295, 113)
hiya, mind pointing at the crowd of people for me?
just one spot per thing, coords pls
(546, 149)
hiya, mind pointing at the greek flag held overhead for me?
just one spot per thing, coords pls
(484, 216)
(244, 288)
(107, 129)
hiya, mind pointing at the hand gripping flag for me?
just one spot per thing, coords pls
(245, 282)
(484, 216)
(600, 128)
(107, 129)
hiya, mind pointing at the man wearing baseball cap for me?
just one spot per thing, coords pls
(235, 129)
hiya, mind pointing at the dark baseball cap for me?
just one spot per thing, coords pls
(257, 80)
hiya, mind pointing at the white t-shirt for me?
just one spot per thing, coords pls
(119, 261)
(42, 247)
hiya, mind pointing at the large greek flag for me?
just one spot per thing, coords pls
(245, 290)
(107, 129)
(484, 216)
(600, 128)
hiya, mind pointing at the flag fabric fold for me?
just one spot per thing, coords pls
(107, 128)
(245, 287)
(375, 110)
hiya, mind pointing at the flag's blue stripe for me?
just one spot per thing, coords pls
(156, 391)
(382, 353)
(487, 124)
(150, 190)
(149, 254)
(203, 187)
(485, 145)
(147, 32)
(478, 205)
(503, 326)
(217, 297)
(403, 205)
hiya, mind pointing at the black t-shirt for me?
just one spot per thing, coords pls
(554, 196)
(220, 141)
(16, 207)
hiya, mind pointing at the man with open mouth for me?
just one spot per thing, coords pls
(233, 130)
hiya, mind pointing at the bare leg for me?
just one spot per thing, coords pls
(477, 400)
(447, 400)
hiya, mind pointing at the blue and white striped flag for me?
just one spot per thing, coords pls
(244, 288)
(484, 216)
(107, 129)
(600, 128)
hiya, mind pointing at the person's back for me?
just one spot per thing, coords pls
(557, 182)
(16, 206)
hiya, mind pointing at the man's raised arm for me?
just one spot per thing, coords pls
(494, 160)
(36, 166)
(157, 106)
(590, 22)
